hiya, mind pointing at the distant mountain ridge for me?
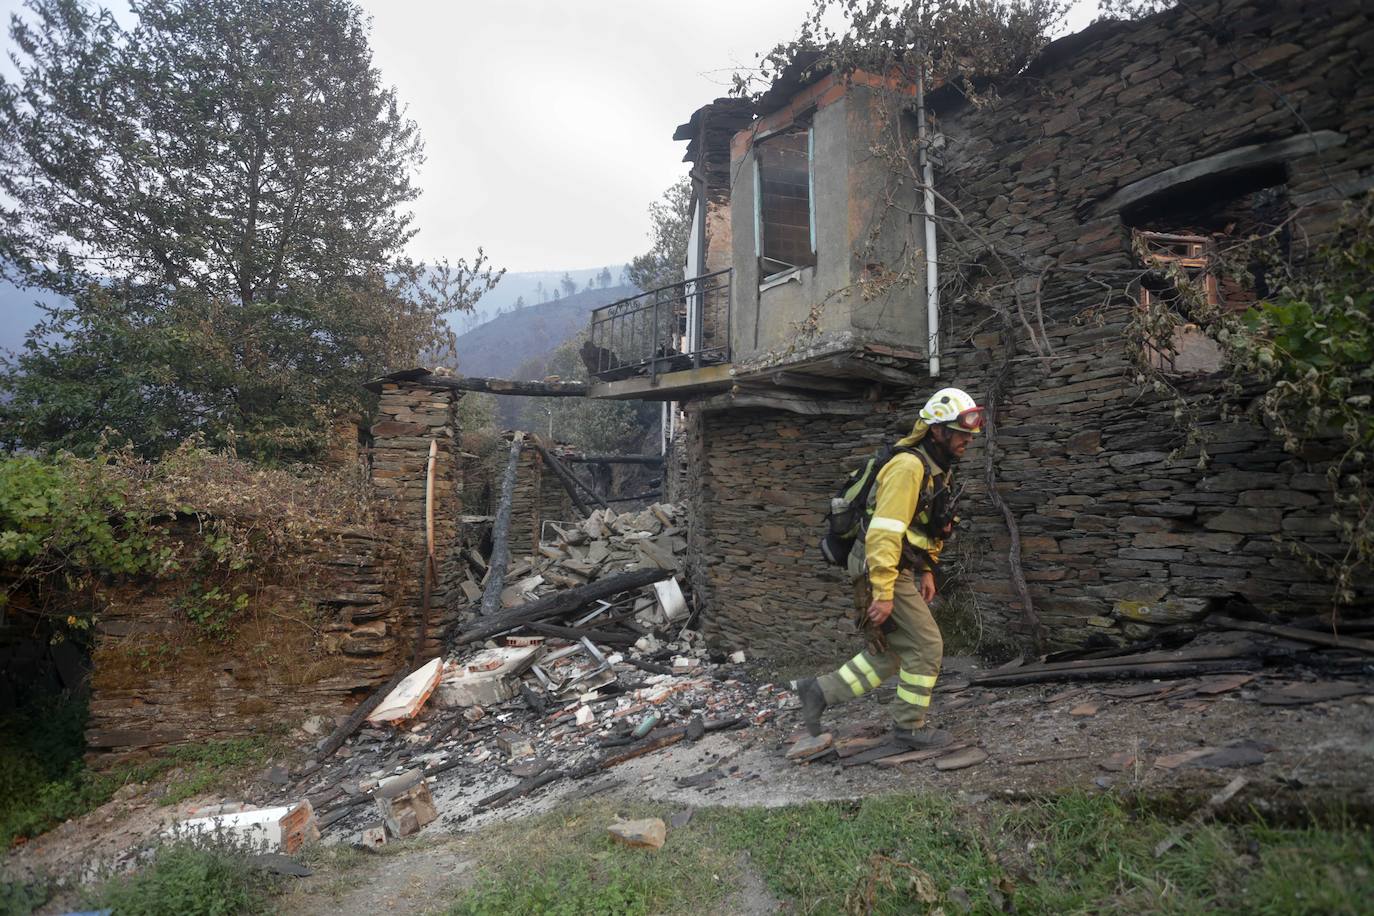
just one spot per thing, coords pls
(536, 287)
(500, 346)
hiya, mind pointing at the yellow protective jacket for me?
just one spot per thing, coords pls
(894, 520)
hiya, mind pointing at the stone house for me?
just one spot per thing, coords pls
(816, 319)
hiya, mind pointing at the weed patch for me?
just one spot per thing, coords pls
(189, 878)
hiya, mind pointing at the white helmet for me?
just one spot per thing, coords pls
(954, 408)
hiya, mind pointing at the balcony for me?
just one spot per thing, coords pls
(664, 343)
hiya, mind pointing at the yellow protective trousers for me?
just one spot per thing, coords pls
(910, 647)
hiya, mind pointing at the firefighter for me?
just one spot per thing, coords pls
(910, 515)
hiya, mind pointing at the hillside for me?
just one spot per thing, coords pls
(496, 349)
(535, 287)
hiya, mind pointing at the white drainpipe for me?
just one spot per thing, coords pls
(932, 268)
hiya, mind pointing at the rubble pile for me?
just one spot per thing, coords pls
(603, 544)
(614, 679)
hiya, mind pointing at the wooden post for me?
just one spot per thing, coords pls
(428, 590)
(500, 532)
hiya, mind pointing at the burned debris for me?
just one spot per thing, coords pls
(590, 662)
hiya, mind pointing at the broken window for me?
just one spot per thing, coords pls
(1181, 234)
(784, 214)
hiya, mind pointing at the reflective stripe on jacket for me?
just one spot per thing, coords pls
(894, 520)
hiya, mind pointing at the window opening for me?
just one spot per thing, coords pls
(784, 217)
(1180, 232)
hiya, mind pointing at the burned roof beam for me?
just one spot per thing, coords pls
(425, 378)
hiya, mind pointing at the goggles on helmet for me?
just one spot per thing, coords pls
(968, 421)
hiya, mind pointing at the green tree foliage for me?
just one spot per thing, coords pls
(221, 194)
(670, 219)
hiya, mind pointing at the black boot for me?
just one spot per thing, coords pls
(812, 703)
(921, 739)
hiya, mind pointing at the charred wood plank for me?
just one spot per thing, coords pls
(1118, 672)
(576, 633)
(560, 603)
(615, 459)
(486, 385)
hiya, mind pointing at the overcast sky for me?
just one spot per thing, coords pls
(548, 124)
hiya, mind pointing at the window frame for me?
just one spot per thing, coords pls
(768, 278)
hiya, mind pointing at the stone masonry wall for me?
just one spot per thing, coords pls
(310, 643)
(409, 417)
(1115, 535)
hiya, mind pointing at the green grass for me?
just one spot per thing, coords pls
(565, 864)
(44, 780)
(1080, 853)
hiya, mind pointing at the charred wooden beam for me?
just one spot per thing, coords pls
(500, 532)
(427, 379)
(560, 603)
(614, 459)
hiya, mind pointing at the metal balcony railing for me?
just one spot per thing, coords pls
(681, 326)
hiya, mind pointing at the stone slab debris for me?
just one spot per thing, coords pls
(1118, 762)
(810, 746)
(405, 804)
(897, 760)
(649, 833)
(408, 696)
(286, 828)
(373, 836)
(1221, 683)
(1174, 761)
(1085, 710)
(851, 746)
(1301, 694)
(681, 818)
(959, 760)
(527, 768)
(1227, 757)
(277, 864)
(887, 749)
(737, 657)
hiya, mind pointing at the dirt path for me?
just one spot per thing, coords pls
(423, 877)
